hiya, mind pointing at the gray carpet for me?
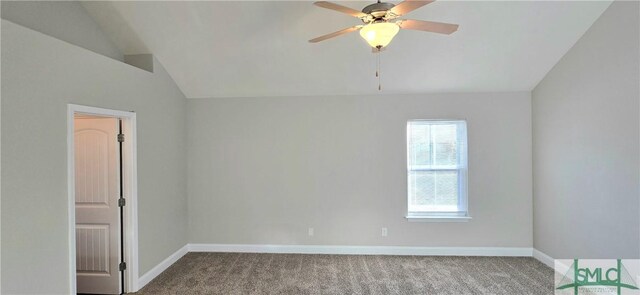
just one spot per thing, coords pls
(245, 273)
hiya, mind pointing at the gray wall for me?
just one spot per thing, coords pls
(585, 151)
(263, 170)
(40, 76)
(65, 20)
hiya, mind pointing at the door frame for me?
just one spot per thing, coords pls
(130, 188)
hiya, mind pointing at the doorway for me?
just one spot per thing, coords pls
(101, 147)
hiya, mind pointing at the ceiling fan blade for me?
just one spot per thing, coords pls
(340, 8)
(335, 34)
(408, 6)
(427, 26)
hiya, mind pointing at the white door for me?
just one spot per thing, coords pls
(97, 211)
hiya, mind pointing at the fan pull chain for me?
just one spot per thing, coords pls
(378, 71)
(379, 74)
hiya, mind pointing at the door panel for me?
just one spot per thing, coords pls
(92, 246)
(97, 212)
(92, 167)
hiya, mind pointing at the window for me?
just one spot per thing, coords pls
(437, 169)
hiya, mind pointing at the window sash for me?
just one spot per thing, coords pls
(413, 192)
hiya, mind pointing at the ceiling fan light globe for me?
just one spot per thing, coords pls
(379, 34)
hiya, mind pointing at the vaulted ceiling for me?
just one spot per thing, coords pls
(260, 48)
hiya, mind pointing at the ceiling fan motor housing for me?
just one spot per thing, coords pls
(378, 10)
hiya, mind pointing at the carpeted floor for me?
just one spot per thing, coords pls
(246, 273)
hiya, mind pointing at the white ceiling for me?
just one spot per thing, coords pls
(260, 48)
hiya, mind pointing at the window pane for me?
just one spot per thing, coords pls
(444, 140)
(433, 191)
(420, 149)
(422, 186)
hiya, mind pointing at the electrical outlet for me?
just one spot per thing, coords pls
(311, 231)
(384, 232)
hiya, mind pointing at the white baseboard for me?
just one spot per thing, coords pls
(162, 266)
(364, 250)
(542, 257)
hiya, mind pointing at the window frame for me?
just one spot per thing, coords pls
(462, 167)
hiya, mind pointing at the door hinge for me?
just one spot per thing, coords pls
(120, 137)
(122, 266)
(121, 202)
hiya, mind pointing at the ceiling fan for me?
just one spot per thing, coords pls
(381, 23)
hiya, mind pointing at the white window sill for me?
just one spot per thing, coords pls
(434, 218)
